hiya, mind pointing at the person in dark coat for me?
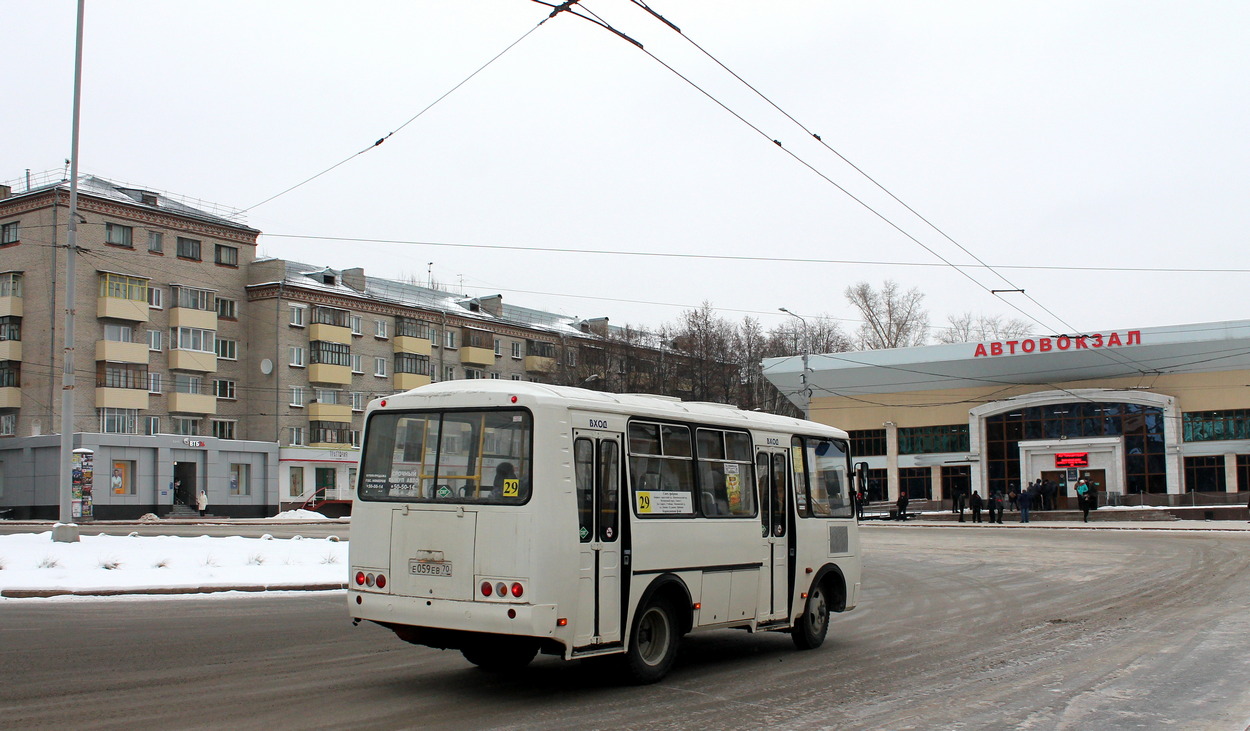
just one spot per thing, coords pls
(1026, 502)
(974, 502)
(1084, 496)
(961, 498)
(902, 505)
(1051, 489)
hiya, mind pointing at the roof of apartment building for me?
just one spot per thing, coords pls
(98, 187)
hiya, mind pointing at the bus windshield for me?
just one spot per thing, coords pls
(470, 456)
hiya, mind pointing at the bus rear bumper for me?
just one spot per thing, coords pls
(525, 620)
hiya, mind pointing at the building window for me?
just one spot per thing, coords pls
(516, 350)
(185, 426)
(8, 425)
(227, 349)
(410, 327)
(188, 248)
(354, 434)
(10, 233)
(226, 255)
(115, 333)
(357, 324)
(227, 309)
(1215, 426)
(156, 339)
(295, 481)
(240, 479)
(331, 316)
(298, 315)
(494, 376)
(10, 374)
(11, 284)
(151, 425)
(358, 401)
(119, 421)
(498, 347)
(570, 356)
(224, 388)
(412, 363)
(297, 396)
(156, 242)
(120, 286)
(223, 429)
(449, 373)
(381, 328)
(867, 443)
(1205, 474)
(295, 437)
(358, 363)
(472, 373)
(329, 432)
(192, 298)
(933, 439)
(916, 482)
(297, 356)
(118, 235)
(379, 367)
(121, 375)
(192, 338)
(154, 382)
(155, 297)
(516, 376)
(449, 338)
(327, 353)
(187, 383)
(327, 395)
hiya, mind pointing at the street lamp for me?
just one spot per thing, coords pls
(806, 390)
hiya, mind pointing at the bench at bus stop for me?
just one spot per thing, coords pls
(888, 509)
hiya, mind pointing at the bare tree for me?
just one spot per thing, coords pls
(969, 328)
(892, 318)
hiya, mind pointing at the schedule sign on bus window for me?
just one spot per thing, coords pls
(1072, 459)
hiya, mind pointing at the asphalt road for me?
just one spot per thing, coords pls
(959, 628)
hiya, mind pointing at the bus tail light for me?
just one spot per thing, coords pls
(501, 589)
(562, 622)
(487, 589)
(517, 589)
(381, 581)
(360, 578)
(369, 580)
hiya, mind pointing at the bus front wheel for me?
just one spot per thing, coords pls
(809, 632)
(500, 656)
(652, 644)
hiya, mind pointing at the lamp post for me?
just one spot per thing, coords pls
(806, 390)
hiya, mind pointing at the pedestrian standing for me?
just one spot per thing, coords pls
(201, 502)
(1083, 498)
(902, 505)
(974, 502)
(961, 497)
(1026, 502)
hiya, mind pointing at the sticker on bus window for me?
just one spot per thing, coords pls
(664, 502)
(511, 488)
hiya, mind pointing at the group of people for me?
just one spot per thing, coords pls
(1039, 494)
(975, 503)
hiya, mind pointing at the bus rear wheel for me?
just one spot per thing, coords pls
(499, 656)
(652, 644)
(809, 632)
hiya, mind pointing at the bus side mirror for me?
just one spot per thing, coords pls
(861, 476)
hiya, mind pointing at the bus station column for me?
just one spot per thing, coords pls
(1230, 473)
(891, 460)
(935, 479)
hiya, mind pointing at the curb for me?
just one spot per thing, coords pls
(151, 591)
(1160, 525)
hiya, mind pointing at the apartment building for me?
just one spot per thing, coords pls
(199, 366)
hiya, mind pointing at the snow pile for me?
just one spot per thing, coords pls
(135, 563)
(301, 514)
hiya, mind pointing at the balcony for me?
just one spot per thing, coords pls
(192, 360)
(187, 317)
(329, 333)
(192, 403)
(330, 412)
(12, 350)
(120, 352)
(406, 344)
(10, 306)
(409, 381)
(10, 398)
(477, 356)
(539, 364)
(121, 398)
(122, 309)
(326, 373)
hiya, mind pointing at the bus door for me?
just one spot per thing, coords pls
(773, 477)
(598, 468)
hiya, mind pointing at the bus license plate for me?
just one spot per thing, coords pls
(430, 568)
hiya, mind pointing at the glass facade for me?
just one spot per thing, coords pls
(1214, 426)
(917, 482)
(1145, 465)
(867, 443)
(1205, 474)
(933, 439)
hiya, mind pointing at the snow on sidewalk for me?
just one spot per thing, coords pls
(102, 564)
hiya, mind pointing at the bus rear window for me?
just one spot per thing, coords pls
(453, 457)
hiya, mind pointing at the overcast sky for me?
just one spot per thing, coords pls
(1036, 134)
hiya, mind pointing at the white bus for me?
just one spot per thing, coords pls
(504, 519)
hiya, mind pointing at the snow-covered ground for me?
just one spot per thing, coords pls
(102, 563)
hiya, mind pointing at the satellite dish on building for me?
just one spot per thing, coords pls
(266, 366)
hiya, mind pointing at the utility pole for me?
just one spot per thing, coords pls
(805, 389)
(65, 484)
